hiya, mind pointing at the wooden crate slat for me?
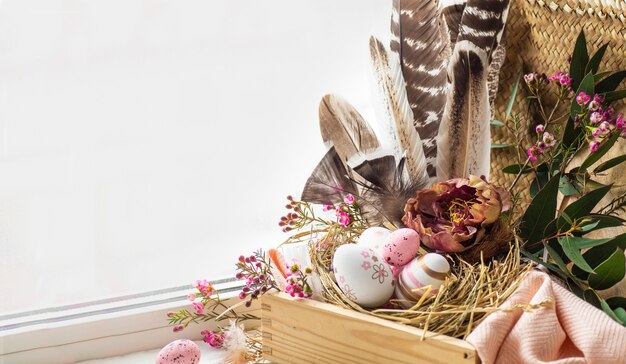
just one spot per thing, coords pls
(307, 331)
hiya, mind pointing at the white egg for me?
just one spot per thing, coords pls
(362, 275)
(428, 270)
(374, 238)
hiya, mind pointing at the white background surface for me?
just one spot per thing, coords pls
(145, 143)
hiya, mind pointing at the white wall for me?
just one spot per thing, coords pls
(145, 143)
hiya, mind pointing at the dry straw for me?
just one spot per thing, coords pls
(466, 298)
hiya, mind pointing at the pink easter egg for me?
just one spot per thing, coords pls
(179, 352)
(401, 246)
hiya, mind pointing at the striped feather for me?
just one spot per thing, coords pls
(419, 39)
(398, 120)
(329, 181)
(465, 129)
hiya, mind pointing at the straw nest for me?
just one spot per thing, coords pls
(472, 291)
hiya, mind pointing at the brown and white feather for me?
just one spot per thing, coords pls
(464, 134)
(398, 120)
(419, 39)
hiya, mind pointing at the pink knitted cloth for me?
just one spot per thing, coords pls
(569, 331)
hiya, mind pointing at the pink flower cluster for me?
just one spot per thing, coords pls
(258, 281)
(545, 140)
(562, 78)
(204, 287)
(598, 119)
(289, 221)
(297, 282)
(343, 216)
(214, 339)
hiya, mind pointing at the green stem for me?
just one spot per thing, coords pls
(519, 174)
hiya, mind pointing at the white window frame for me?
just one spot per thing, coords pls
(105, 328)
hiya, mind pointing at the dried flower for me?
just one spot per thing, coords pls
(454, 215)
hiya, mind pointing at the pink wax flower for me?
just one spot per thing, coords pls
(191, 297)
(565, 80)
(533, 153)
(349, 199)
(605, 126)
(596, 132)
(594, 146)
(595, 117)
(199, 308)
(539, 128)
(548, 139)
(593, 105)
(343, 218)
(328, 207)
(529, 78)
(556, 76)
(597, 98)
(582, 98)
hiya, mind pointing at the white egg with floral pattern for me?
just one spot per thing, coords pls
(363, 276)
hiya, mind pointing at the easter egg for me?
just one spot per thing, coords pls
(374, 238)
(401, 247)
(428, 270)
(179, 352)
(362, 275)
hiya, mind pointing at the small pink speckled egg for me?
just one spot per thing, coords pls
(401, 246)
(179, 352)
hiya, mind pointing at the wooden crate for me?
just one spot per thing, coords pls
(307, 331)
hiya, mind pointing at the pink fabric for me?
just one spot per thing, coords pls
(568, 331)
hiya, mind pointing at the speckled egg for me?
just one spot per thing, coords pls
(362, 275)
(374, 238)
(179, 352)
(401, 246)
(428, 270)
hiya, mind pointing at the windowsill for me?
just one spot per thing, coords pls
(209, 356)
(105, 330)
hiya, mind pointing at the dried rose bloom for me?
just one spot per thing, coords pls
(454, 215)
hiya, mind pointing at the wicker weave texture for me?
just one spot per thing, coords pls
(540, 36)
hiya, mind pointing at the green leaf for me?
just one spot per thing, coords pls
(509, 106)
(499, 146)
(571, 133)
(592, 297)
(594, 62)
(616, 302)
(605, 307)
(586, 203)
(515, 169)
(610, 272)
(610, 164)
(559, 261)
(567, 187)
(605, 221)
(542, 210)
(587, 86)
(594, 257)
(537, 184)
(584, 243)
(614, 95)
(598, 76)
(621, 314)
(496, 123)
(580, 59)
(604, 148)
(573, 253)
(611, 83)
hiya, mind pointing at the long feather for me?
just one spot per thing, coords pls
(464, 134)
(343, 127)
(452, 12)
(419, 39)
(398, 120)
